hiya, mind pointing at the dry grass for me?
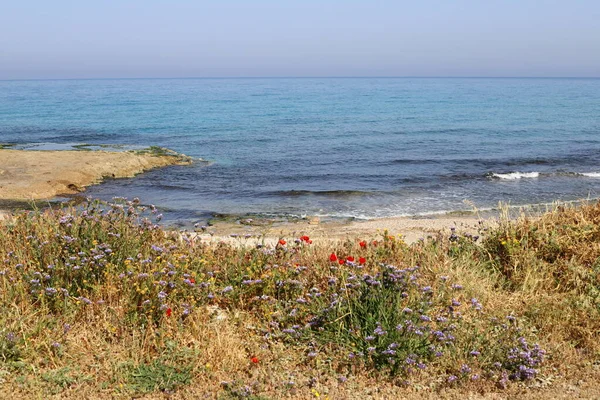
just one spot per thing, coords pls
(151, 313)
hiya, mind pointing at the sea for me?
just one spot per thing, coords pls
(330, 147)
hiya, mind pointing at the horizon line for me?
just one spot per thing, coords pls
(303, 77)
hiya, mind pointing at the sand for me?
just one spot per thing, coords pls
(411, 229)
(36, 175)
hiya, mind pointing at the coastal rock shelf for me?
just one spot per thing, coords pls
(36, 175)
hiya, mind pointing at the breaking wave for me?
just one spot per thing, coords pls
(515, 175)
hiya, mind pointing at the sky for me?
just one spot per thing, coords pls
(41, 39)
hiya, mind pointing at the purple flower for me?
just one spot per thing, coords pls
(85, 300)
(379, 331)
(475, 304)
(51, 291)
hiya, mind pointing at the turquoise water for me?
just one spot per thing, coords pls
(361, 147)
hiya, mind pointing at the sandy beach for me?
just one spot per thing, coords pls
(249, 232)
(35, 175)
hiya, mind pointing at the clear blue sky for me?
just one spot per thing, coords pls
(185, 38)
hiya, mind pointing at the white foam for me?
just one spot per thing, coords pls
(591, 174)
(516, 175)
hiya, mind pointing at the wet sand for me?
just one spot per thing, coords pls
(35, 175)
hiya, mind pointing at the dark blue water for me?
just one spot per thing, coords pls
(337, 147)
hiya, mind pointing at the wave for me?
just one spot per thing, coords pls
(324, 193)
(590, 174)
(515, 175)
(534, 174)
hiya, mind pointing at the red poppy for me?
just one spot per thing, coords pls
(169, 312)
(362, 260)
(192, 280)
(332, 257)
(282, 242)
(363, 244)
(350, 258)
(305, 238)
(341, 261)
(254, 360)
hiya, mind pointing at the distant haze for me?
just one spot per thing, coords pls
(247, 38)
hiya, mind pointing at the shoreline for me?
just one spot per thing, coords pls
(27, 175)
(410, 229)
(256, 231)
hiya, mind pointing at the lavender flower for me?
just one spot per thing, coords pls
(379, 331)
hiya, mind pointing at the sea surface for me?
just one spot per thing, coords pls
(333, 147)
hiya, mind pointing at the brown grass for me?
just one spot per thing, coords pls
(545, 271)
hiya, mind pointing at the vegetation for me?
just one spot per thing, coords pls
(161, 152)
(99, 300)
